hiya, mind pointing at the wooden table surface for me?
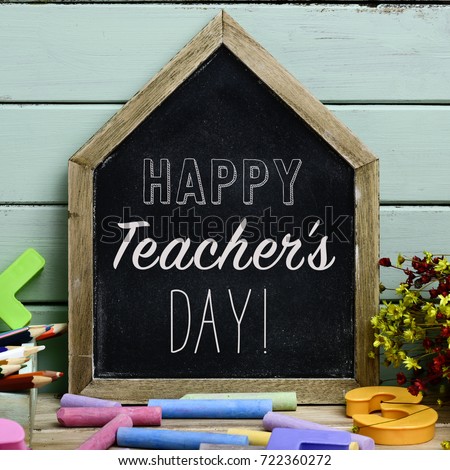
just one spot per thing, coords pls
(48, 434)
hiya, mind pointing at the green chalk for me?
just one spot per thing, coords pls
(19, 273)
(281, 401)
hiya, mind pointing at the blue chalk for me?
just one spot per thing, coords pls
(164, 439)
(225, 409)
(307, 439)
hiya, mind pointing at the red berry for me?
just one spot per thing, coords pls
(385, 262)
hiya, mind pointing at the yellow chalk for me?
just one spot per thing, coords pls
(255, 438)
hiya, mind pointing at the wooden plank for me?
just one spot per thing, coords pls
(367, 227)
(342, 53)
(49, 435)
(283, 84)
(45, 229)
(410, 141)
(173, 75)
(309, 391)
(37, 142)
(81, 274)
(409, 229)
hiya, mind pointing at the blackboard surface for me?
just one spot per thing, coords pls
(297, 323)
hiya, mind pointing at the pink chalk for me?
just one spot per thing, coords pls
(273, 420)
(71, 400)
(12, 435)
(106, 436)
(99, 416)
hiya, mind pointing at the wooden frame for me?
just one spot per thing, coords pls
(221, 30)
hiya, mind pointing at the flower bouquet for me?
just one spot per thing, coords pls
(414, 332)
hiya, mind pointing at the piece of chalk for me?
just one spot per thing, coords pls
(71, 400)
(277, 420)
(95, 417)
(106, 436)
(206, 446)
(164, 439)
(225, 409)
(256, 438)
(308, 439)
(12, 435)
(281, 401)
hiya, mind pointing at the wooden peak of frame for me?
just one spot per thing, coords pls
(222, 30)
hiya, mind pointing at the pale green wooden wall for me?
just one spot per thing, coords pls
(65, 69)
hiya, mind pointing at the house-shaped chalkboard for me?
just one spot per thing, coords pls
(223, 236)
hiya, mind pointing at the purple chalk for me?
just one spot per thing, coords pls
(308, 439)
(277, 420)
(74, 401)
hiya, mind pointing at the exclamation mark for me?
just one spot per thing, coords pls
(265, 322)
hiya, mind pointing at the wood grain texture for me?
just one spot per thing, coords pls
(44, 229)
(151, 95)
(318, 391)
(367, 227)
(80, 273)
(106, 53)
(283, 84)
(49, 435)
(410, 141)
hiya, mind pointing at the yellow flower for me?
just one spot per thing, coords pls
(411, 363)
(400, 260)
(430, 317)
(401, 288)
(442, 266)
(409, 335)
(411, 297)
(445, 445)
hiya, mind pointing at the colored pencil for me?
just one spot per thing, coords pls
(12, 333)
(16, 382)
(55, 330)
(14, 361)
(8, 370)
(33, 350)
(21, 335)
(44, 373)
(20, 351)
(12, 347)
